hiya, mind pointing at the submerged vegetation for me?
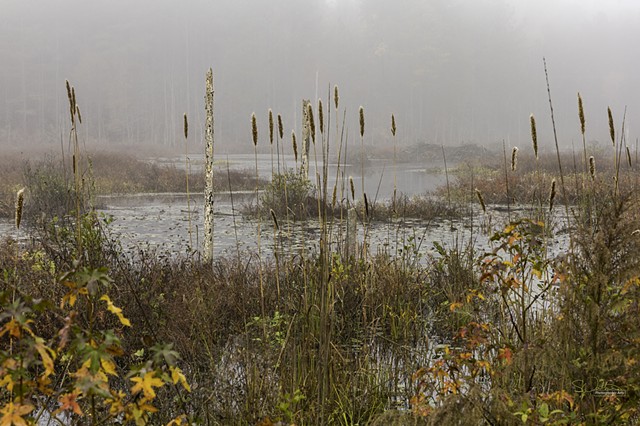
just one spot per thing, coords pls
(523, 332)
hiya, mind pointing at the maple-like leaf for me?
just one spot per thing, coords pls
(12, 414)
(146, 384)
(178, 376)
(69, 401)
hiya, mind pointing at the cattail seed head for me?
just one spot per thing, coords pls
(581, 114)
(336, 97)
(393, 124)
(280, 128)
(361, 121)
(481, 199)
(612, 131)
(68, 90)
(312, 123)
(366, 205)
(295, 145)
(73, 98)
(78, 113)
(254, 129)
(534, 135)
(186, 126)
(320, 116)
(552, 194)
(514, 158)
(19, 205)
(353, 190)
(628, 155)
(592, 167)
(270, 126)
(333, 197)
(275, 219)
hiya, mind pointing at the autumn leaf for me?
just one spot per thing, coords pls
(68, 401)
(146, 384)
(177, 376)
(12, 414)
(454, 306)
(116, 311)
(47, 355)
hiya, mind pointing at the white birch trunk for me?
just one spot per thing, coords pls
(207, 255)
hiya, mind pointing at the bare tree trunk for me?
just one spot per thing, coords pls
(306, 138)
(208, 186)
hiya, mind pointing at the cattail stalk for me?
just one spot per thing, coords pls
(582, 131)
(186, 172)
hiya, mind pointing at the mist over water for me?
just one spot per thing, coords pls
(452, 72)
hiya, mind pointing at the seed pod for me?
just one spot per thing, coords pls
(336, 98)
(479, 194)
(514, 158)
(270, 126)
(361, 121)
(312, 124)
(254, 129)
(534, 135)
(353, 191)
(393, 124)
(19, 205)
(581, 114)
(592, 167)
(552, 195)
(186, 126)
(321, 116)
(295, 145)
(275, 220)
(628, 156)
(280, 128)
(612, 131)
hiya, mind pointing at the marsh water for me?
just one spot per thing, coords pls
(165, 223)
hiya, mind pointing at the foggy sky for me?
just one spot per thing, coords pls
(451, 71)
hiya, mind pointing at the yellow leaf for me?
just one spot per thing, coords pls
(177, 376)
(47, 354)
(108, 366)
(146, 384)
(12, 414)
(116, 311)
(454, 306)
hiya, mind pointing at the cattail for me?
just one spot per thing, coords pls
(552, 195)
(19, 205)
(68, 90)
(186, 126)
(581, 113)
(270, 126)
(73, 98)
(534, 135)
(78, 112)
(612, 131)
(335, 95)
(280, 128)
(628, 155)
(275, 219)
(333, 197)
(295, 145)
(312, 124)
(592, 167)
(321, 116)
(393, 124)
(353, 191)
(514, 158)
(366, 205)
(361, 121)
(479, 194)
(254, 129)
